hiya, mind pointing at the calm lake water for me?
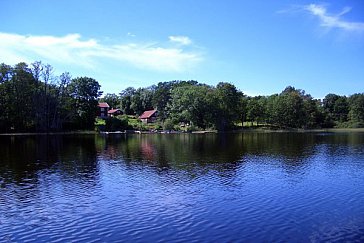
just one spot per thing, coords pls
(250, 187)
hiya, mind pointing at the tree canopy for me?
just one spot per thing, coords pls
(32, 98)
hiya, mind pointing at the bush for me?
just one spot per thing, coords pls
(168, 125)
(349, 124)
(192, 128)
(358, 125)
(116, 124)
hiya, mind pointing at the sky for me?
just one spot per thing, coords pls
(259, 46)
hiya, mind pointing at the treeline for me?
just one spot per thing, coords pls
(223, 107)
(293, 108)
(185, 102)
(33, 99)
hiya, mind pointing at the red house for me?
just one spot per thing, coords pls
(114, 112)
(148, 116)
(103, 109)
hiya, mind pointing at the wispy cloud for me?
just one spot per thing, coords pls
(72, 49)
(130, 34)
(333, 20)
(183, 40)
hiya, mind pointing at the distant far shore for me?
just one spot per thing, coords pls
(328, 130)
(319, 130)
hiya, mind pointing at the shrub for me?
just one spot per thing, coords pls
(168, 124)
(192, 128)
(116, 124)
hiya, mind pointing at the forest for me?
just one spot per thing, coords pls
(33, 99)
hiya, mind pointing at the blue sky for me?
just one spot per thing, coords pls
(259, 46)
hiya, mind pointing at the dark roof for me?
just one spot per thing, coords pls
(147, 114)
(104, 105)
(113, 111)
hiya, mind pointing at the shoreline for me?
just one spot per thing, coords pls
(258, 130)
(318, 130)
(48, 133)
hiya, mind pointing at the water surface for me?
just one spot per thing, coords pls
(257, 187)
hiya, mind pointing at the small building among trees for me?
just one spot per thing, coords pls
(148, 116)
(103, 110)
(114, 112)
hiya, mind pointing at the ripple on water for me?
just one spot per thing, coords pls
(270, 196)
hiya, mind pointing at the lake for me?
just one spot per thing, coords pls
(244, 187)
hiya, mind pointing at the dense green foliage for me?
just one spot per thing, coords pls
(33, 99)
(113, 124)
(223, 106)
(113, 100)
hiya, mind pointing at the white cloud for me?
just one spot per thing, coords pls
(71, 49)
(333, 21)
(183, 40)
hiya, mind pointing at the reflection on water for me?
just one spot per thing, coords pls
(182, 187)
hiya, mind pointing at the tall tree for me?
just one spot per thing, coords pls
(255, 109)
(357, 109)
(112, 100)
(162, 96)
(142, 100)
(22, 93)
(337, 107)
(60, 98)
(315, 117)
(125, 100)
(85, 92)
(287, 109)
(228, 104)
(6, 72)
(190, 104)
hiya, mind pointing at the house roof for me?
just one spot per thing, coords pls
(113, 111)
(104, 105)
(147, 114)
